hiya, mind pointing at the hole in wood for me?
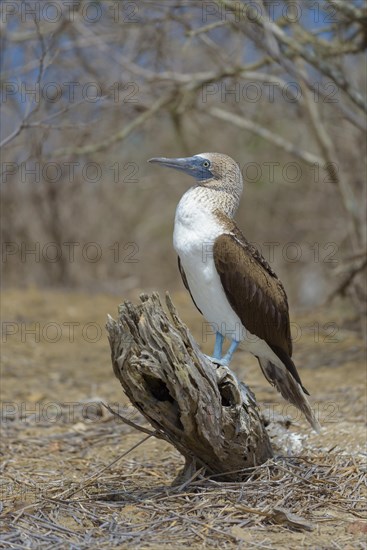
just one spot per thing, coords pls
(228, 398)
(158, 388)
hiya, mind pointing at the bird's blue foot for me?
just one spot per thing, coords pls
(228, 356)
(218, 346)
(217, 356)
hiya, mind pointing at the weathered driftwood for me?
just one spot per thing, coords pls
(201, 408)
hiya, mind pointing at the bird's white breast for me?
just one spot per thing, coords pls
(196, 229)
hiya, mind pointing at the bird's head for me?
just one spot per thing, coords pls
(212, 170)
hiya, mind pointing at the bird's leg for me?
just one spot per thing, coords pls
(217, 355)
(228, 356)
(226, 359)
(218, 346)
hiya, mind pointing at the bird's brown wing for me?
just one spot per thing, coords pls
(253, 290)
(259, 299)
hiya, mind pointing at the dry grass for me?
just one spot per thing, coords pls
(54, 497)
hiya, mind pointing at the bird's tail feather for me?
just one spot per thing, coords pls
(289, 388)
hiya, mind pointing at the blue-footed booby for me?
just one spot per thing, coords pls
(230, 282)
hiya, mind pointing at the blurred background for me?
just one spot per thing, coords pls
(91, 90)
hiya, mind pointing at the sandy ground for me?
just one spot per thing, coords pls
(58, 489)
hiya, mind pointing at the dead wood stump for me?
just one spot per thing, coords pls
(199, 407)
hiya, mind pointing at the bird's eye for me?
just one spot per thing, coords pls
(206, 164)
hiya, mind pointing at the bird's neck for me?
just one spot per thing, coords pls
(215, 199)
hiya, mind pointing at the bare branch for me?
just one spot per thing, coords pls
(119, 136)
(348, 9)
(29, 115)
(293, 47)
(275, 139)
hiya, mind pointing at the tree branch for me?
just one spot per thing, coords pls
(290, 47)
(277, 140)
(119, 136)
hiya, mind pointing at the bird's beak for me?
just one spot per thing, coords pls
(186, 164)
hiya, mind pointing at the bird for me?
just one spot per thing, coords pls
(230, 282)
